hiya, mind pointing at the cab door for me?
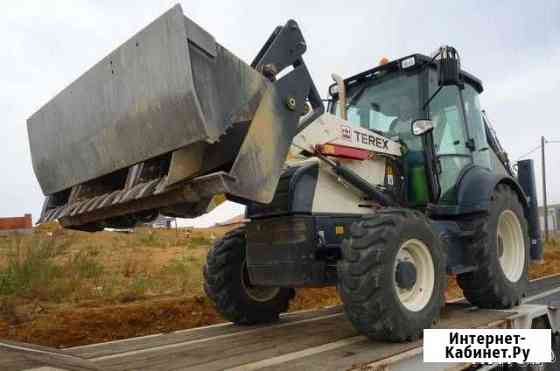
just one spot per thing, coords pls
(452, 146)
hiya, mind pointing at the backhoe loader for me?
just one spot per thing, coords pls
(395, 183)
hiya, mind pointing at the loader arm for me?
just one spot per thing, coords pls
(168, 120)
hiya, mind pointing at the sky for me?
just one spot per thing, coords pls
(512, 46)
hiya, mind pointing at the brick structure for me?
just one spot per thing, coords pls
(22, 225)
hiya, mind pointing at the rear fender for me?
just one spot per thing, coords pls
(474, 191)
(474, 196)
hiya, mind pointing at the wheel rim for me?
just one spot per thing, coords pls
(417, 297)
(511, 245)
(257, 293)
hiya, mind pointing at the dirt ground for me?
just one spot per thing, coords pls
(96, 322)
(62, 288)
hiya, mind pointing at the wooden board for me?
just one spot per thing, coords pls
(304, 341)
(17, 356)
(309, 340)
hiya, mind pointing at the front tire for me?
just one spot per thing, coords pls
(227, 284)
(501, 248)
(392, 275)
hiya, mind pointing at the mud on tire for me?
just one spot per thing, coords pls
(366, 275)
(226, 284)
(488, 286)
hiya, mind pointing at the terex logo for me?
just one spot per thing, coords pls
(347, 133)
(372, 140)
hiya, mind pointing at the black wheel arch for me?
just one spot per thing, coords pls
(488, 286)
(474, 191)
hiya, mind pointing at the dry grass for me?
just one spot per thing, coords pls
(56, 266)
(64, 288)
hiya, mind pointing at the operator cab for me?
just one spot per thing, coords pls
(392, 96)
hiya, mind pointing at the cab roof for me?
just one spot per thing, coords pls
(419, 60)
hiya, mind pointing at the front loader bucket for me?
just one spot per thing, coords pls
(166, 121)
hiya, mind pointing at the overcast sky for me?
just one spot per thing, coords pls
(513, 46)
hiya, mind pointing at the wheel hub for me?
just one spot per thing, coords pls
(405, 275)
(414, 275)
(257, 293)
(510, 245)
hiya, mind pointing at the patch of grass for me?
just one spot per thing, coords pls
(184, 273)
(137, 289)
(60, 266)
(553, 242)
(84, 265)
(177, 273)
(131, 267)
(140, 284)
(42, 269)
(149, 238)
(30, 267)
(178, 266)
(199, 241)
(8, 310)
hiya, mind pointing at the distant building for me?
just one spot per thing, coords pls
(164, 222)
(16, 225)
(553, 217)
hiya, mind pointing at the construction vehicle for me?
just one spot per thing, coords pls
(401, 182)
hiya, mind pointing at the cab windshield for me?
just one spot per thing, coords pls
(376, 103)
(387, 104)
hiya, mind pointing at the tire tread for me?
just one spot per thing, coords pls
(364, 258)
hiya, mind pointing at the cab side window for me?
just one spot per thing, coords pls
(477, 130)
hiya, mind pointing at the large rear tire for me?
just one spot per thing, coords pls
(227, 284)
(500, 246)
(392, 275)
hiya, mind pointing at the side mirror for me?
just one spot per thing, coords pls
(420, 127)
(449, 67)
